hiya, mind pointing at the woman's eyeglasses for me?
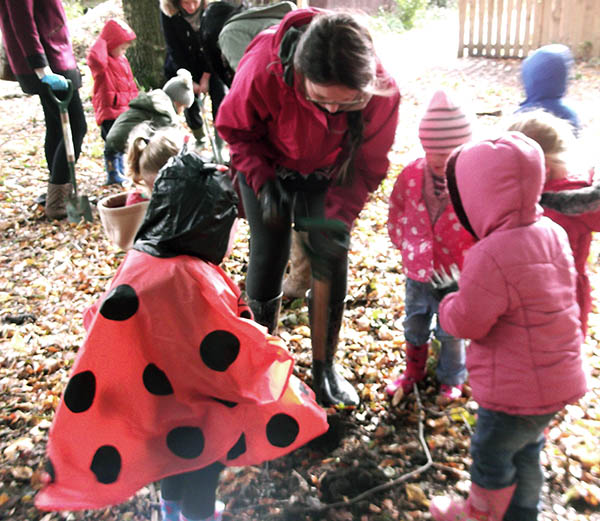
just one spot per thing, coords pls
(311, 91)
(360, 100)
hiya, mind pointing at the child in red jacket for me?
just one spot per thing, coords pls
(556, 137)
(114, 86)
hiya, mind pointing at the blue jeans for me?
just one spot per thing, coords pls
(506, 449)
(420, 308)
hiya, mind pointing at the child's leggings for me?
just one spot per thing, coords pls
(196, 490)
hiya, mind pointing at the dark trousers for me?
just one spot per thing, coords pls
(195, 490)
(105, 127)
(216, 91)
(270, 247)
(54, 145)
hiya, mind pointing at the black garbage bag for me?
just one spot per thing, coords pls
(191, 212)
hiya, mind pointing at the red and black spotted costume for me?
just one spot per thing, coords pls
(173, 375)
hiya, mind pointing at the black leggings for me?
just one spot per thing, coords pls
(54, 146)
(195, 490)
(270, 248)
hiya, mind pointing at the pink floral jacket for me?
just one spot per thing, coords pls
(424, 246)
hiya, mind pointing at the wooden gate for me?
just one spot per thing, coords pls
(512, 28)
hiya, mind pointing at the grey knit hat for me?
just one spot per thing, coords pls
(180, 88)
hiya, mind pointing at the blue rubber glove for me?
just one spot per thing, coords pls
(55, 81)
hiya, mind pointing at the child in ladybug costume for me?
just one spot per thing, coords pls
(175, 380)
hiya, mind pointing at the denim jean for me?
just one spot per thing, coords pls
(420, 307)
(506, 449)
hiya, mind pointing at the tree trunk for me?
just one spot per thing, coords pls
(147, 55)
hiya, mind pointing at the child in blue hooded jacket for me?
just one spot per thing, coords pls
(545, 76)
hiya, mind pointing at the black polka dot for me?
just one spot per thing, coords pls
(282, 430)
(120, 304)
(49, 468)
(186, 442)
(238, 449)
(219, 349)
(80, 391)
(246, 314)
(226, 403)
(106, 464)
(156, 381)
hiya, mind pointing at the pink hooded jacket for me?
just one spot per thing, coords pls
(114, 85)
(516, 297)
(268, 123)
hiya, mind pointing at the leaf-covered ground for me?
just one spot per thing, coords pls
(51, 271)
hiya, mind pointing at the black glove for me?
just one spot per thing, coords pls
(444, 282)
(440, 292)
(275, 204)
(329, 240)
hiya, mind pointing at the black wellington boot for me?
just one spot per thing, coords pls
(266, 313)
(330, 387)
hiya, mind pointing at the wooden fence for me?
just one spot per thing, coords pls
(513, 28)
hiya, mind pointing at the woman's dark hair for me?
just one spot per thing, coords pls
(335, 49)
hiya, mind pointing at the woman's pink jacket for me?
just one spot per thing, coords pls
(269, 123)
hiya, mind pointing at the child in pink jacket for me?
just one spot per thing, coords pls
(556, 137)
(423, 226)
(114, 86)
(516, 302)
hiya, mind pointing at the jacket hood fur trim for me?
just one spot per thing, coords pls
(169, 7)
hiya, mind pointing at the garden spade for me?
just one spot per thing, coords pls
(210, 135)
(78, 206)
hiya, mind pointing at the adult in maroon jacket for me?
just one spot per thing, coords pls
(310, 116)
(39, 51)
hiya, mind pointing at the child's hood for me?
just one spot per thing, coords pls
(157, 101)
(545, 73)
(496, 183)
(116, 33)
(191, 211)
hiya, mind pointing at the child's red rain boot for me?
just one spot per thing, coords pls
(416, 359)
(482, 505)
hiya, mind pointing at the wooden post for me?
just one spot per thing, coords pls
(591, 27)
(489, 28)
(500, 25)
(508, 32)
(518, 36)
(538, 21)
(462, 7)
